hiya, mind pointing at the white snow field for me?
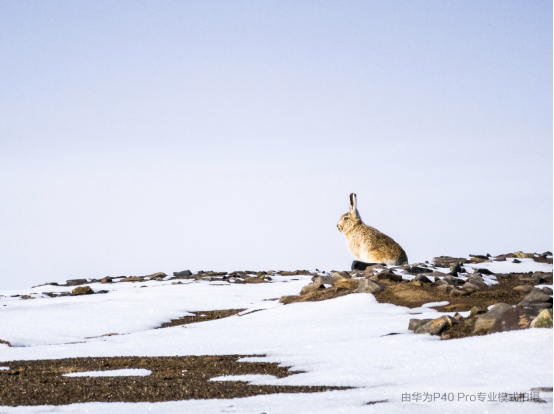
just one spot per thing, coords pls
(337, 342)
(127, 372)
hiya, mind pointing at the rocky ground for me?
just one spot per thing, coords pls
(472, 295)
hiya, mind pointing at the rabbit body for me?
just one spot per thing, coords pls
(367, 243)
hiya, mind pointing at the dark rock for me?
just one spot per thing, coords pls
(454, 281)
(183, 273)
(547, 290)
(514, 319)
(485, 321)
(349, 284)
(415, 270)
(547, 253)
(106, 291)
(76, 282)
(416, 323)
(446, 261)
(536, 297)
(436, 326)
(483, 271)
(535, 279)
(82, 290)
(516, 261)
(106, 279)
(369, 286)
(543, 320)
(389, 276)
(357, 265)
(422, 279)
(5, 342)
(27, 297)
(455, 269)
(327, 280)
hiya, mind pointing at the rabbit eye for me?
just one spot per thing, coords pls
(346, 218)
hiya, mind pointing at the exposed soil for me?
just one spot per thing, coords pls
(406, 294)
(202, 316)
(412, 296)
(173, 378)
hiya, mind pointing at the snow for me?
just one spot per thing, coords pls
(4, 368)
(338, 342)
(126, 372)
(256, 379)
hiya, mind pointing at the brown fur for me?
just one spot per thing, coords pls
(367, 243)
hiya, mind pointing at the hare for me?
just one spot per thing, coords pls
(367, 243)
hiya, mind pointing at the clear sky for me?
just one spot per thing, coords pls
(145, 136)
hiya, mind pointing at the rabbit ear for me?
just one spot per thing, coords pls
(353, 205)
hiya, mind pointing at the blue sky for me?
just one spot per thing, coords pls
(157, 136)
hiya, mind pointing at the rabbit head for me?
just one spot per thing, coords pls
(350, 219)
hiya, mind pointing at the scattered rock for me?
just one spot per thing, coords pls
(133, 279)
(389, 275)
(415, 270)
(416, 323)
(454, 281)
(447, 261)
(436, 326)
(350, 284)
(543, 320)
(455, 269)
(485, 321)
(341, 275)
(369, 286)
(106, 279)
(249, 279)
(183, 273)
(82, 290)
(483, 271)
(445, 288)
(535, 279)
(524, 288)
(516, 261)
(357, 265)
(477, 310)
(521, 255)
(5, 342)
(27, 297)
(289, 299)
(327, 280)
(547, 290)
(514, 319)
(157, 276)
(422, 279)
(76, 282)
(536, 297)
(311, 287)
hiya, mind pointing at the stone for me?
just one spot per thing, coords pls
(479, 256)
(357, 265)
(82, 290)
(289, 299)
(327, 280)
(350, 284)
(310, 288)
(369, 286)
(454, 281)
(543, 320)
(157, 275)
(458, 317)
(516, 261)
(76, 282)
(416, 323)
(524, 288)
(106, 279)
(389, 276)
(547, 253)
(521, 255)
(445, 289)
(477, 310)
(415, 270)
(536, 297)
(341, 275)
(27, 297)
(249, 279)
(5, 342)
(486, 320)
(483, 271)
(183, 273)
(500, 258)
(514, 319)
(458, 292)
(447, 261)
(133, 279)
(368, 272)
(455, 268)
(436, 326)
(535, 279)
(422, 279)
(547, 290)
